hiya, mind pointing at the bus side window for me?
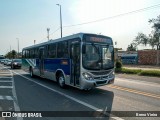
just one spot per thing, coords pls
(52, 51)
(62, 50)
(36, 52)
(23, 54)
(27, 53)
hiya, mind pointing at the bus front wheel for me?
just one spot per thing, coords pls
(61, 81)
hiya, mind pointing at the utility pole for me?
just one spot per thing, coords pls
(18, 47)
(10, 53)
(60, 18)
(48, 29)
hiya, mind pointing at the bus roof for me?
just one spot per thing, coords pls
(78, 35)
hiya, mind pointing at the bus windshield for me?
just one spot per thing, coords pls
(98, 56)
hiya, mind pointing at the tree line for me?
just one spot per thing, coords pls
(153, 39)
(12, 54)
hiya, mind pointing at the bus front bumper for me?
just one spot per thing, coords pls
(88, 84)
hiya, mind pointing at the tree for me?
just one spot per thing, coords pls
(11, 54)
(156, 31)
(153, 39)
(141, 39)
(131, 47)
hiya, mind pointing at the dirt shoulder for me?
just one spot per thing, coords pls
(143, 67)
(137, 77)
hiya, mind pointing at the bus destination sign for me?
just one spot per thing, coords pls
(98, 39)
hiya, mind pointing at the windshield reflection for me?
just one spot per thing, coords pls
(98, 57)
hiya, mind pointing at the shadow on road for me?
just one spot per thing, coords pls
(95, 100)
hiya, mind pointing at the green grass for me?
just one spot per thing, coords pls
(138, 72)
(150, 73)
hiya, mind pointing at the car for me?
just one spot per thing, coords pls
(16, 63)
(5, 61)
(9, 62)
(2, 61)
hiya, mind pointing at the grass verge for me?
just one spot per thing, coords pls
(155, 73)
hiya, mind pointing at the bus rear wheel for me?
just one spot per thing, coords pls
(61, 80)
(31, 72)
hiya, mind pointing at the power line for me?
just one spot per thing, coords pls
(120, 15)
(50, 34)
(54, 31)
(112, 17)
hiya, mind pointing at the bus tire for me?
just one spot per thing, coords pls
(31, 72)
(61, 80)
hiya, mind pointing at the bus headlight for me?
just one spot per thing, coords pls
(15, 63)
(111, 74)
(87, 76)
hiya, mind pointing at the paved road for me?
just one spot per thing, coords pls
(20, 92)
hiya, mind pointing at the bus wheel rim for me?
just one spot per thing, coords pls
(31, 73)
(61, 81)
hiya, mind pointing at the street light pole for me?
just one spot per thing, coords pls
(60, 19)
(34, 42)
(48, 29)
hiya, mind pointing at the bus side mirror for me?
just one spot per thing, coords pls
(83, 49)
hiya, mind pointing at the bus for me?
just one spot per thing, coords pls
(129, 58)
(80, 60)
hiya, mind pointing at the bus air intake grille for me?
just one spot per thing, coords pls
(101, 72)
(101, 82)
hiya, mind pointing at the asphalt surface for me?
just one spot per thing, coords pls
(128, 94)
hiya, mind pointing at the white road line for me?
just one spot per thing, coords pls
(5, 81)
(5, 77)
(4, 72)
(67, 96)
(138, 82)
(16, 106)
(14, 98)
(6, 98)
(6, 86)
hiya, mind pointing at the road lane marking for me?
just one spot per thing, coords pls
(6, 86)
(5, 81)
(134, 91)
(138, 82)
(15, 100)
(6, 97)
(70, 97)
(14, 97)
(5, 74)
(4, 77)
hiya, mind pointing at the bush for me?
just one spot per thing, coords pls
(138, 72)
(118, 64)
(150, 73)
(131, 71)
(118, 70)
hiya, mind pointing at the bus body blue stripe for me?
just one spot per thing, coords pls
(52, 65)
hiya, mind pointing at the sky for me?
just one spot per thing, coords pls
(28, 20)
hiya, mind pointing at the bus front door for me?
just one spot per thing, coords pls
(75, 63)
(41, 61)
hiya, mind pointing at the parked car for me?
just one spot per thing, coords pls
(2, 61)
(5, 61)
(16, 63)
(9, 62)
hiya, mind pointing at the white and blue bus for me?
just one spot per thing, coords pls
(81, 60)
